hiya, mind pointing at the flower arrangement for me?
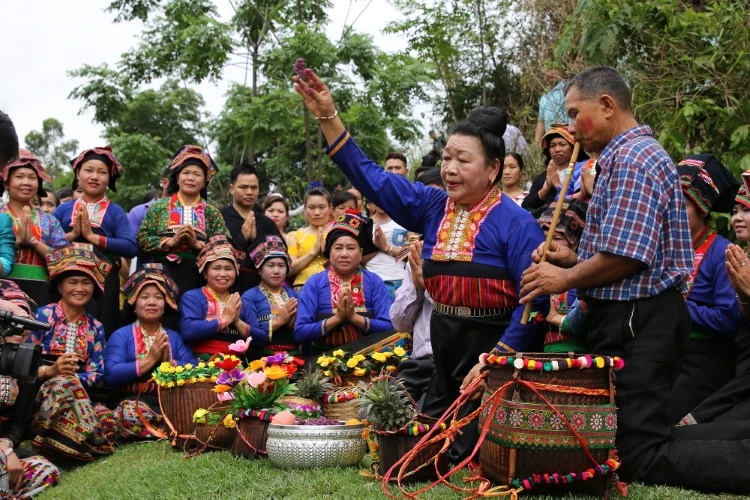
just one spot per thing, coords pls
(204, 416)
(342, 363)
(273, 365)
(168, 375)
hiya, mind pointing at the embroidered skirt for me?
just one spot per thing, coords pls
(69, 424)
(38, 475)
(135, 420)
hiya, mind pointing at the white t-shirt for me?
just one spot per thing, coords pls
(383, 264)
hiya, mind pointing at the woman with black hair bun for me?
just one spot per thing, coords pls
(477, 243)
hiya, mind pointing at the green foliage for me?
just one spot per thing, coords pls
(50, 146)
(262, 397)
(688, 67)
(312, 384)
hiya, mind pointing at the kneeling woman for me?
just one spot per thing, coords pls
(210, 316)
(345, 302)
(136, 350)
(68, 422)
(271, 308)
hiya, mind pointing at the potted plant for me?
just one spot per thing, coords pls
(393, 417)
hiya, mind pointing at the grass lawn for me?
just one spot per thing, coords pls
(154, 470)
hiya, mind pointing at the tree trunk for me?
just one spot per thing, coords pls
(308, 147)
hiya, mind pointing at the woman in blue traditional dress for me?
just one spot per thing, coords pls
(136, 350)
(35, 232)
(211, 316)
(96, 220)
(67, 422)
(710, 353)
(477, 242)
(271, 308)
(345, 302)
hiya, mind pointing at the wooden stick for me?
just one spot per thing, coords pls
(555, 218)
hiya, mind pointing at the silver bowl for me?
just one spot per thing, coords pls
(310, 446)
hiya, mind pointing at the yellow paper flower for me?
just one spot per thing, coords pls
(170, 384)
(359, 372)
(327, 373)
(324, 363)
(321, 358)
(211, 364)
(257, 365)
(399, 351)
(387, 354)
(201, 365)
(229, 422)
(189, 366)
(165, 366)
(181, 382)
(351, 363)
(171, 369)
(339, 353)
(200, 415)
(358, 357)
(275, 372)
(202, 378)
(180, 369)
(391, 368)
(379, 357)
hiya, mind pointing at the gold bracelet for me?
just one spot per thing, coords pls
(334, 115)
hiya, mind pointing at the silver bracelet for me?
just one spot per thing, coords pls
(334, 115)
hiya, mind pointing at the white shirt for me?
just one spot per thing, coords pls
(383, 264)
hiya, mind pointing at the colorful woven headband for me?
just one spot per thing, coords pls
(742, 197)
(271, 248)
(707, 183)
(557, 129)
(151, 274)
(351, 221)
(12, 293)
(78, 257)
(217, 248)
(26, 159)
(103, 154)
(194, 155)
(571, 223)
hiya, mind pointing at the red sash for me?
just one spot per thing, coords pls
(704, 243)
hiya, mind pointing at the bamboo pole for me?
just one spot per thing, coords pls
(555, 218)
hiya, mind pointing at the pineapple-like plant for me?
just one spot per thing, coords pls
(386, 405)
(312, 385)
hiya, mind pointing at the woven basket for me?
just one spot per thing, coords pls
(250, 438)
(353, 381)
(341, 411)
(215, 436)
(178, 404)
(546, 446)
(391, 447)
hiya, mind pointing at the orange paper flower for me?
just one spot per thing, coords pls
(222, 388)
(275, 372)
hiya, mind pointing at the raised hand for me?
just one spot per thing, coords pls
(315, 94)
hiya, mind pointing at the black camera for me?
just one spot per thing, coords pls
(20, 361)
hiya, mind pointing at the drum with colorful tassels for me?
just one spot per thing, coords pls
(554, 423)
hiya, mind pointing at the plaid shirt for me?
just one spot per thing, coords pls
(638, 211)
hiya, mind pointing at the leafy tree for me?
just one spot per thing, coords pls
(686, 63)
(51, 147)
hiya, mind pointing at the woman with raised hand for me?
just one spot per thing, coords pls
(136, 350)
(68, 423)
(96, 220)
(477, 242)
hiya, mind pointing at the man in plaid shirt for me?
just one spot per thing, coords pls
(635, 256)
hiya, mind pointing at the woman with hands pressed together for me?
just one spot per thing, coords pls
(136, 350)
(345, 302)
(306, 245)
(477, 242)
(271, 308)
(177, 227)
(96, 220)
(211, 316)
(36, 232)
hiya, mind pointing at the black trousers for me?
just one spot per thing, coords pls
(416, 375)
(708, 364)
(456, 346)
(649, 334)
(732, 401)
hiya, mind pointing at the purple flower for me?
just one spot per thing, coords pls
(300, 68)
(231, 378)
(276, 359)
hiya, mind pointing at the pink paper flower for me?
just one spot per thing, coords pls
(257, 378)
(241, 345)
(225, 396)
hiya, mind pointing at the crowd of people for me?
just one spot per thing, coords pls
(635, 270)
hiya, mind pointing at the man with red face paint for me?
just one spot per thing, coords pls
(631, 269)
